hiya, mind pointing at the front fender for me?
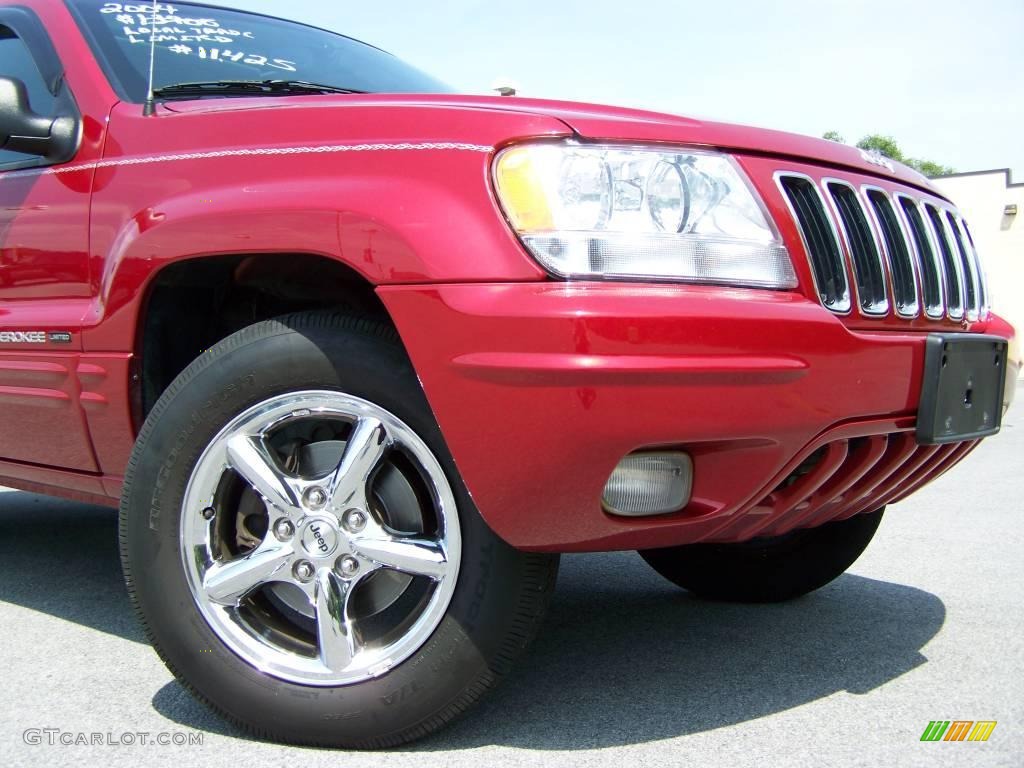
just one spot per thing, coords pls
(396, 212)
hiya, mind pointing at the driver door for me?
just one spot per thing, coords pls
(44, 266)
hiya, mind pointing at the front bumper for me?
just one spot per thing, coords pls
(541, 388)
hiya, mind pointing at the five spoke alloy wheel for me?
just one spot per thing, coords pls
(320, 538)
(301, 549)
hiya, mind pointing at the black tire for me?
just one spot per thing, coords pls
(767, 570)
(500, 596)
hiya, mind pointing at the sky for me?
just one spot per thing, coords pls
(943, 77)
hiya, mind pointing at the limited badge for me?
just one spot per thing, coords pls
(59, 337)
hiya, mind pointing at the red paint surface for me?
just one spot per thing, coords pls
(540, 387)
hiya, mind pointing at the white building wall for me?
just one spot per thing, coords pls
(982, 197)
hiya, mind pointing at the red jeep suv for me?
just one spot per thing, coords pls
(359, 356)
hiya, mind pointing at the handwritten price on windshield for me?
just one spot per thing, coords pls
(215, 54)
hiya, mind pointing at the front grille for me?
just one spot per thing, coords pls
(820, 241)
(901, 253)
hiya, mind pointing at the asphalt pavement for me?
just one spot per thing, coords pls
(629, 671)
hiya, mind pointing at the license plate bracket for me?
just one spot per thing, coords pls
(963, 386)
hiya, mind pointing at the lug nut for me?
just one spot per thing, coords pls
(316, 497)
(208, 513)
(304, 570)
(284, 529)
(347, 566)
(354, 521)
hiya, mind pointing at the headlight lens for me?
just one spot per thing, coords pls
(604, 211)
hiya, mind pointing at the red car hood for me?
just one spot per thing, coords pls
(599, 122)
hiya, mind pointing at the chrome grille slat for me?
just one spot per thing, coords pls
(821, 241)
(863, 247)
(972, 289)
(902, 266)
(953, 272)
(933, 283)
(982, 277)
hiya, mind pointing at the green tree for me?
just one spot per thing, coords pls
(928, 168)
(887, 146)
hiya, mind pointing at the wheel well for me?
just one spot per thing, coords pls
(193, 304)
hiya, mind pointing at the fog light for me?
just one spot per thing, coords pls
(649, 484)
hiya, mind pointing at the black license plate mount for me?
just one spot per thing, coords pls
(963, 386)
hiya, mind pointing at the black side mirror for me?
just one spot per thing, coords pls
(22, 130)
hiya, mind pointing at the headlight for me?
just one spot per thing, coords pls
(643, 214)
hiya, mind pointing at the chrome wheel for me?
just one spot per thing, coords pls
(320, 538)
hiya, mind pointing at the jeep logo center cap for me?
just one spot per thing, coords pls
(319, 538)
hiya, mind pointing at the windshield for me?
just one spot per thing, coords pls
(199, 43)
